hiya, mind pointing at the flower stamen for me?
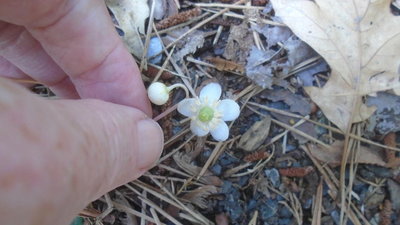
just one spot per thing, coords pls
(206, 114)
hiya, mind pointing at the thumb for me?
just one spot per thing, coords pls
(119, 143)
(57, 155)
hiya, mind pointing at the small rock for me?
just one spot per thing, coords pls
(394, 190)
(284, 212)
(155, 47)
(273, 176)
(216, 169)
(268, 209)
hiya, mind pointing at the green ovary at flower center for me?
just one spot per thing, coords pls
(206, 114)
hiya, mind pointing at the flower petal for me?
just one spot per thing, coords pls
(211, 92)
(220, 132)
(197, 129)
(229, 109)
(187, 107)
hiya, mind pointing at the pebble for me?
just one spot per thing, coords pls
(268, 209)
(273, 176)
(216, 169)
(155, 47)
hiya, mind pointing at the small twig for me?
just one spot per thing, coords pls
(333, 129)
(230, 6)
(317, 206)
(143, 62)
(203, 22)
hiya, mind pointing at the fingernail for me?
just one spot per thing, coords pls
(151, 143)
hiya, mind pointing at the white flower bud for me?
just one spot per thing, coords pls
(158, 93)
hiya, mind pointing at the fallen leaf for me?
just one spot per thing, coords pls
(305, 127)
(199, 195)
(256, 135)
(307, 75)
(297, 103)
(239, 43)
(173, 35)
(333, 155)
(189, 44)
(256, 71)
(387, 116)
(225, 65)
(183, 161)
(274, 34)
(131, 16)
(374, 198)
(297, 51)
(358, 40)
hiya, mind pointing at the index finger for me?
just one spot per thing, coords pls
(82, 40)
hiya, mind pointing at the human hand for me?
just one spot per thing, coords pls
(57, 155)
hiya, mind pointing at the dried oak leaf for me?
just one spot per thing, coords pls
(131, 16)
(360, 42)
(333, 155)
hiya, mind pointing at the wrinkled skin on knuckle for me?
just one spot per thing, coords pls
(41, 12)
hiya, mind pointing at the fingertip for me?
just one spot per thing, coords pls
(150, 143)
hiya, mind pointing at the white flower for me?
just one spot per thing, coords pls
(208, 113)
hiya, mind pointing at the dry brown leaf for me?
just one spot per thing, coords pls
(225, 65)
(239, 43)
(183, 161)
(333, 156)
(360, 41)
(131, 16)
(189, 44)
(199, 195)
(256, 135)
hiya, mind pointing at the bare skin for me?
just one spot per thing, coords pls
(58, 155)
